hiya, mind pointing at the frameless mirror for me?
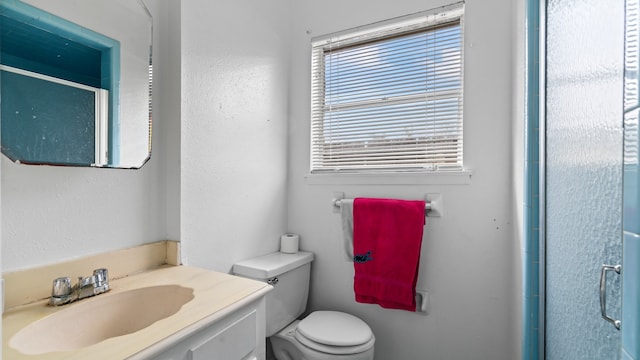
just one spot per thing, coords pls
(75, 82)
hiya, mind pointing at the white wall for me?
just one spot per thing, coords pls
(51, 214)
(467, 257)
(234, 129)
(169, 101)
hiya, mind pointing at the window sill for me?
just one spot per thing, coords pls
(430, 178)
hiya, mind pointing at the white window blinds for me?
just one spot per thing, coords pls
(389, 99)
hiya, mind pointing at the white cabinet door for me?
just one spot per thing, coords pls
(239, 335)
(235, 341)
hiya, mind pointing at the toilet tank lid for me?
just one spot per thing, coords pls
(270, 265)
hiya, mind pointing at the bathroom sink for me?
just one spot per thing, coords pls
(91, 321)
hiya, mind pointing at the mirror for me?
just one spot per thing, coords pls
(75, 82)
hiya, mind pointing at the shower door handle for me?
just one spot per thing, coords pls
(603, 293)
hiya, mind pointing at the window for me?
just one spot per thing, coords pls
(389, 98)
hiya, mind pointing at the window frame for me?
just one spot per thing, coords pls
(383, 31)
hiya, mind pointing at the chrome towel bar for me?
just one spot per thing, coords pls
(432, 206)
(427, 204)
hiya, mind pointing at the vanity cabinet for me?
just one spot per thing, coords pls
(224, 319)
(237, 336)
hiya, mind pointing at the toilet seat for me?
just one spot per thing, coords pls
(334, 332)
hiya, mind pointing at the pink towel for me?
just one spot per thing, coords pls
(387, 236)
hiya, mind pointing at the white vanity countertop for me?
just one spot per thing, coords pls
(215, 296)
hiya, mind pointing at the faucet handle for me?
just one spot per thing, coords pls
(61, 287)
(61, 291)
(101, 276)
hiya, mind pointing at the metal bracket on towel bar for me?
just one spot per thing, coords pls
(422, 302)
(435, 201)
(335, 202)
(433, 206)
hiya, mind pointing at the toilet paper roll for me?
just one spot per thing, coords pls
(289, 243)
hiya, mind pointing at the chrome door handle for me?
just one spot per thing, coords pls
(603, 293)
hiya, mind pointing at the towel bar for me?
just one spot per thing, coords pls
(427, 205)
(432, 207)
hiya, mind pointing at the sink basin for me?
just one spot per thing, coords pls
(91, 321)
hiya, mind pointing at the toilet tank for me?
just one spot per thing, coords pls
(289, 274)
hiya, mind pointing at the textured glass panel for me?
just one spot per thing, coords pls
(46, 122)
(631, 61)
(631, 327)
(584, 175)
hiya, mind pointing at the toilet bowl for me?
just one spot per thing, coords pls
(322, 335)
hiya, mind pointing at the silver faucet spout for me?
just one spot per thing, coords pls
(85, 286)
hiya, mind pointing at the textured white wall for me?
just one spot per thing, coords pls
(234, 129)
(467, 258)
(51, 214)
(169, 101)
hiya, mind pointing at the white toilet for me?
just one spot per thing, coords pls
(322, 335)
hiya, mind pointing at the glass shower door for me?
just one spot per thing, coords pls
(584, 65)
(631, 180)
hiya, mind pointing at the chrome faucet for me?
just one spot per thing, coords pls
(63, 293)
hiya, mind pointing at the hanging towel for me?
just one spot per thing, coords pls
(387, 237)
(346, 213)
